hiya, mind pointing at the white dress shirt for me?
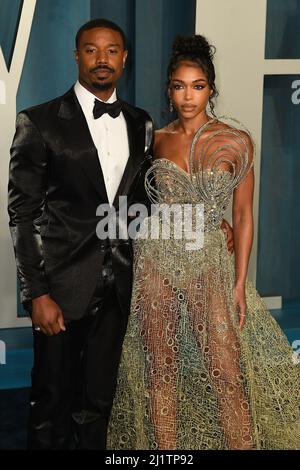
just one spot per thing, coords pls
(110, 139)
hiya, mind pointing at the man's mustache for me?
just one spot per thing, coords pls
(102, 67)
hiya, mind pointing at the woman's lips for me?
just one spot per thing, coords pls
(188, 108)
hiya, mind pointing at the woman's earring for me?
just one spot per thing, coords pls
(171, 108)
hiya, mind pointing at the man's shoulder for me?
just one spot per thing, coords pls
(136, 112)
(48, 107)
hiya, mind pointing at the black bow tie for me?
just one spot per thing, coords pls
(113, 109)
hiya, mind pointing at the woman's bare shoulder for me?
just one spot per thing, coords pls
(168, 129)
(162, 138)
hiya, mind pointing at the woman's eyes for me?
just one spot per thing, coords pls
(196, 87)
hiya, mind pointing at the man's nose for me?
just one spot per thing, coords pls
(101, 58)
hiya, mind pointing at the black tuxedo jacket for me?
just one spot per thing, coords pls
(55, 186)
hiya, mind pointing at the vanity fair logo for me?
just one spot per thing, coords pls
(2, 352)
(162, 221)
(11, 66)
(296, 94)
(2, 92)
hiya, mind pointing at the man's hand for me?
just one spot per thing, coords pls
(227, 229)
(47, 315)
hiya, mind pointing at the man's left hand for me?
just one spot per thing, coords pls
(227, 229)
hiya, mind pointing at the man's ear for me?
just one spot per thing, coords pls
(125, 55)
(76, 55)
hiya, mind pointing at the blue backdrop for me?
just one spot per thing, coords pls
(10, 11)
(279, 222)
(150, 26)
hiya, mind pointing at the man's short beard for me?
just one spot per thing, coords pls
(102, 86)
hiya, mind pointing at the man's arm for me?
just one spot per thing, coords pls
(26, 201)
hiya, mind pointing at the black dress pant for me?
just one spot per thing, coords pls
(74, 375)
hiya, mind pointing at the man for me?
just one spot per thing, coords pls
(69, 156)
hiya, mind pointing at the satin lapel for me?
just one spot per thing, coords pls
(135, 130)
(80, 142)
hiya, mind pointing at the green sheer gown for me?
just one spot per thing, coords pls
(189, 378)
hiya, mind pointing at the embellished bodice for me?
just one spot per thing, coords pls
(173, 185)
(217, 165)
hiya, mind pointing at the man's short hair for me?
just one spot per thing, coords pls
(99, 23)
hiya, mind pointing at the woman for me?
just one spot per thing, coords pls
(204, 364)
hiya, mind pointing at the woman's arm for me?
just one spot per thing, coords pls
(242, 213)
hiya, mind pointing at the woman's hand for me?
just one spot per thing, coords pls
(240, 304)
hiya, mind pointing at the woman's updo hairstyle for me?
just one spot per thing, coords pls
(195, 49)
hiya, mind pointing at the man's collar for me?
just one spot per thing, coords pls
(85, 97)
